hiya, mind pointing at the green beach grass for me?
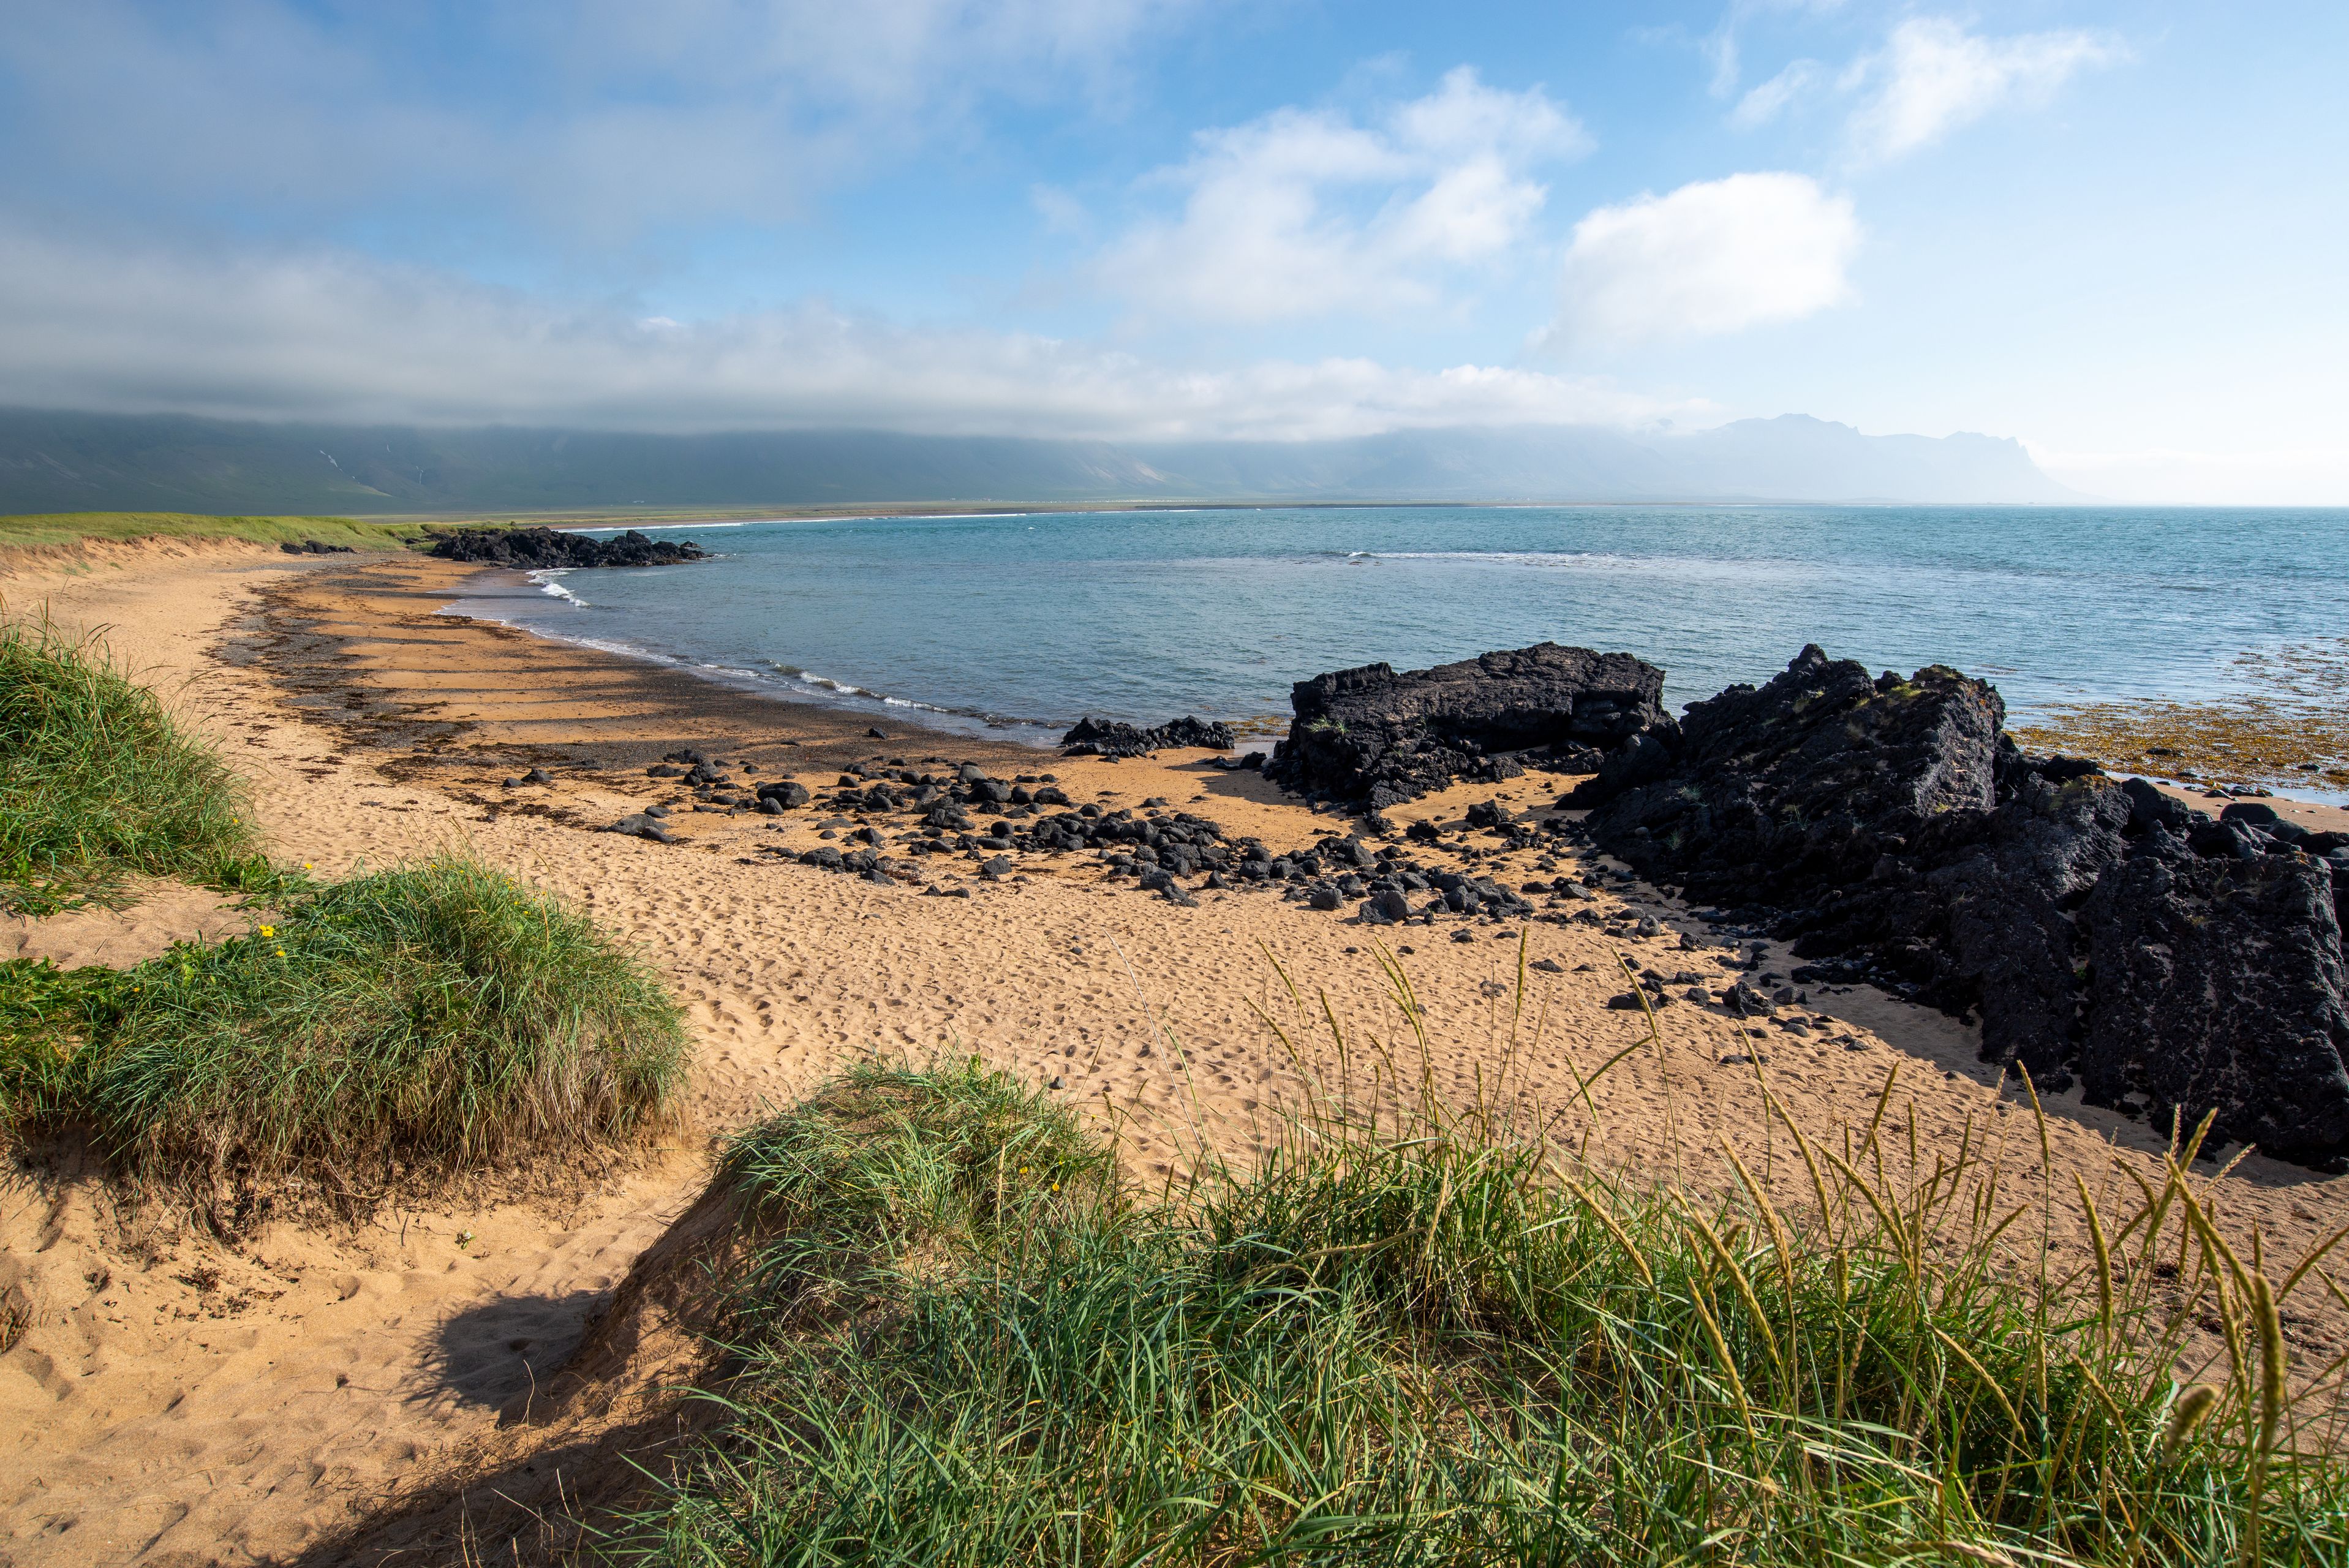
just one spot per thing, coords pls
(47, 529)
(1419, 1339)
(421, 1021)
(425, 1020)
(99, 783)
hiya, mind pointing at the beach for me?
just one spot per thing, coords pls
(181, 1399)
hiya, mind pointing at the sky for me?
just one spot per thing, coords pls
(2118, 233)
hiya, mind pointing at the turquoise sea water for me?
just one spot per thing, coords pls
(1024, 623)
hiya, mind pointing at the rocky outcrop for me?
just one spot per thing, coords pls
(1375, 738)
(1112, 739)
(537, 548)
(2103, 933)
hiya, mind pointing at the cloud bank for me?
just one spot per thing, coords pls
(337, 337)
(593, 121)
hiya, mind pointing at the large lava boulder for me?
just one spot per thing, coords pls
(1374, 737)
(2216, 978)
(537, 548)
(2103, 931)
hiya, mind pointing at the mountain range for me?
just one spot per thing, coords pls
(53, 461)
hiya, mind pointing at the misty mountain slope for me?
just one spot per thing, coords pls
(1794, 455)
(60, 461)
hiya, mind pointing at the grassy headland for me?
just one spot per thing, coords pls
(1423, 1341)
(52, 528)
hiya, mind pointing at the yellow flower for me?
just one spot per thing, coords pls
(280, 952)
(268, 931)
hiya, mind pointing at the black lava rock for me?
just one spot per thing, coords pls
(1113, 739)
(2100, 928)
(538, 548)
(2219, 983)
(637, 825)
(1373, 735)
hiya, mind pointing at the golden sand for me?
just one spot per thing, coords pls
(177, 1398)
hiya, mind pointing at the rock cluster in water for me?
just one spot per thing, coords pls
(1374, 737)
(535, 549)
(1112, 739)
(2165, 959)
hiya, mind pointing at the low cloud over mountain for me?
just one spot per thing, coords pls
(56, 461)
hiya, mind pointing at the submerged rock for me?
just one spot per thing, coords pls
(1373, 735)
(535, 549)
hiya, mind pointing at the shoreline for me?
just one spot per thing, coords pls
(249, 1402)
(2267, 736)
(477, 597)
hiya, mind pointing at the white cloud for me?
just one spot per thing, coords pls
(1306, 213)
(1933, 77)
(1765, 102)
(335, 338)
(1708, 258)
(1720, 50)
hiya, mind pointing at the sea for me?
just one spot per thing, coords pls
(1017, 624)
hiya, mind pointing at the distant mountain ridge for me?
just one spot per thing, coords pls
(66, 461)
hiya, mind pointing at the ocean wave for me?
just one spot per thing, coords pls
(550, 582)
(825, 683)
(826, 686)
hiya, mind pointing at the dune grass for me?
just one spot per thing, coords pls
(423, 1020)
(1418, 1338)
(97, 782)
(41, 530)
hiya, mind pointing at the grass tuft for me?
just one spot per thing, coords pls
(97, 782)
(432, 1018)
(1416, 1340)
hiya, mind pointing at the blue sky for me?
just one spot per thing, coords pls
(2115, 232)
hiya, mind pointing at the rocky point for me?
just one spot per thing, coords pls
(2103, 933)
